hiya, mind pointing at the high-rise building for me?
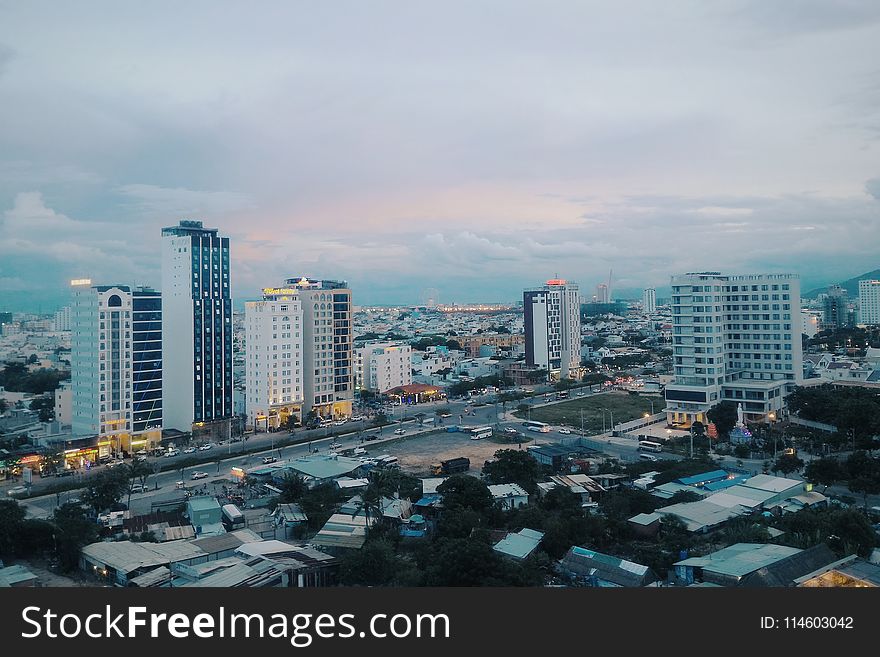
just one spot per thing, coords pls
(328, 371)
(146, 355)
(649, 301)
(735, 338)
(602, 293)
(835, 309)
(869, 302)
(552, 320)
(274, 360)
(100, 360)
(382, 366)
(197, 329)
(61, 321)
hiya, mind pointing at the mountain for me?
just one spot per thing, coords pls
(851, 285)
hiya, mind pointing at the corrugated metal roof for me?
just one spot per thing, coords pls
(771, 483)
(519, 545)
(126, 556)
(740, 559)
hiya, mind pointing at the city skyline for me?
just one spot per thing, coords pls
(435, 150)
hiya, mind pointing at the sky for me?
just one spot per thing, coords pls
(471, 147)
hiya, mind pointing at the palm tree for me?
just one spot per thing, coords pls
(370, 499)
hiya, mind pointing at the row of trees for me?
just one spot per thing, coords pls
(854, 411)
(61, 537)
(15, 377)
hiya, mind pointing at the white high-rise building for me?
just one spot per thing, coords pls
(383, 366)
(649, 301)
(869, 302)
(552, 320)
(61, 321)
(274, 359)
(735, 338)
(328, 370)
(197, 329)
(101, 360)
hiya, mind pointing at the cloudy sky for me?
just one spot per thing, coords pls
(472, 147)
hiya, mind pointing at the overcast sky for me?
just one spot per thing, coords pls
(472, 147)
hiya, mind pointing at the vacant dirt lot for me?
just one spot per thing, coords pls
(417, 455)
(622, 405)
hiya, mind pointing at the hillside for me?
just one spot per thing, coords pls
(850, 285)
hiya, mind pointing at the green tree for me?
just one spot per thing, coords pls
(824, 472)
(106, 489)
(293, 488)
(11, 518)
(375, 564)
(464, 492)
(380, 419)
(788, 463)
(73, 530)
(512, 466)
(724, 415)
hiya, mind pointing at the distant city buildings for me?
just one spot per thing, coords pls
(197, 325)
(116, 362)
(380, 367)
(327, 345)
(735, 338)
(552, 322)
(835, 309)
(146, 358)
(602, 293)
(61, 321)
(649, 301)
(869, 302)
(274, 358)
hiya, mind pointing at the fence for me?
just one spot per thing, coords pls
(626, 427)
(821, 426)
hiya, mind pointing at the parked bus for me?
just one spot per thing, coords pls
(532, 425)
(481, 432)
(649, 446)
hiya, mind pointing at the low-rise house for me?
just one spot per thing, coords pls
(519, 545)
(753, 564)
(343, 532)
(587, 567)
(17, 576)
(583, 486)
(509, 496)
(205, 515)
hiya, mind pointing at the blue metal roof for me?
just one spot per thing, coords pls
(725, 483)
(704, 478)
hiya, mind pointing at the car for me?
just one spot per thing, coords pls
(189, 450)
(564, 430)
(65, 473)
(399, 432)
(357, 418)
(445, 414)
(198, 475)
(76, 500)
(138, 488)
(141, 452)
(172, 452)
(205, 448)
(269, 459)
(334, 445)
(113, 464)
(510, 430)
(371, 436)
(18, 490)
(359, 450)
(580, 394)
(339, 423)
(180, 485)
